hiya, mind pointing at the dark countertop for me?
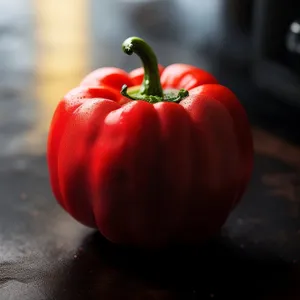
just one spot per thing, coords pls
(45, 254)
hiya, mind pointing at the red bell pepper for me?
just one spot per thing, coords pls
(163, 161)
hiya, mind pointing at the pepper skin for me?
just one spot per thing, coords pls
(162, 162)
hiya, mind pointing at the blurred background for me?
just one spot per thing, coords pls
(46, 47)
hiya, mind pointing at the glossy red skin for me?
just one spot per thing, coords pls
(150, 175)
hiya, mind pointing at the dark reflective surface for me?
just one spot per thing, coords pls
(45, 254)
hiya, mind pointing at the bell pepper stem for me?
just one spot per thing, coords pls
(151, 85)
(154, 99)
(181, 95)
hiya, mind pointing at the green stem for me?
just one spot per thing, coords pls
(154, 99)
(151, 89)
(151, 85)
